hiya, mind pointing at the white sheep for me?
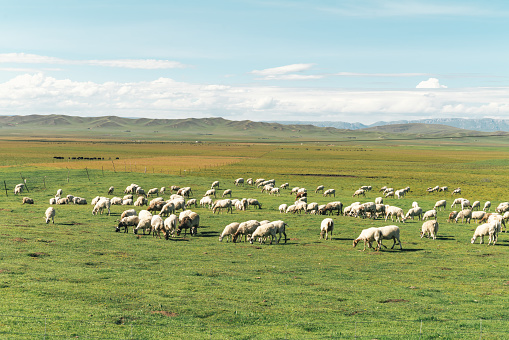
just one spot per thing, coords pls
(245, 228)
(312, 208)
(191, 202)
(254, 201)
(465, 204)
(144, 215)
(319, 188)
(478, 215)
(210, 192)
(280, 228)
(162, 190)
(440, 204)
(170, 225)
(62, 200)
(168, 209)
(502, 207)
(275, 191)
(329, 192)
(487, 206)
(126, 222)
(430, 229)
(227, 192)
(27, 200)
(215, 184)
(326, 228)
(379, 200)
(153, 191)
(414, 212)
(144, 224)
(157, 225)
(18, 189)
(390, 232)
(465, 214)
(79, 200)
(456, 191)
(222, 204)
(359, 192)
(393, 211)
(241, 204)
(282, 208)
(415, 204)
(429, 214)
(116, 201)
(486, 229)
(191, 221)
(100, 206)
(52, 201)
(400, 193)
(59, 193)
(129, 212)
(50, 215)
(229, 231)
(368, 236)
(476, 204)
(206, 201)
(263, 231)
(110, 190)
(284, 186)
(457, 201)
(239, 181)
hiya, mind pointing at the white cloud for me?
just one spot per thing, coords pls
(283, 69)
(167, 98)
(147, 64)
(354, 74)
(431, 83)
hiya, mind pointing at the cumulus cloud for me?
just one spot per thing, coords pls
(167, 98)
(431, 83)
(147, 64)
(287, 72)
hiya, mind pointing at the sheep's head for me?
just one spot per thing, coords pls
(355, 242)
(179, 231)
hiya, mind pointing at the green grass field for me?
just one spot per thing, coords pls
(78, 278)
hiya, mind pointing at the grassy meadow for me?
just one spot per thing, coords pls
(78, 278)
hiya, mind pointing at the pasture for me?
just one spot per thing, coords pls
(78, 278)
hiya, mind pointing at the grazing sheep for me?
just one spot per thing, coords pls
(441, 203)
(211, 192)
(141, 201)
(319, 188)
(145, 214)
(456, 191)
(254, 201)
(27, 200)
(229, 231)
(241, 204)
(126, 222)
(227, 192)
(414, 212)
(478, 215)
(126, 213)
(457, 201)
(280, 228)
(502, 207)
(140, 192)
(215, 184)
(400, 193)
(100, 206)
(157, 225)
(191, 222)
(153, 191)
(477, 205)
(312, 208)
(335, 206)
(223, 204)
(282, 208)
(368, 236)
(329, 192)
(239, 181)
(465, 204)
(275, 191)
(380, 210)
(486, 229)
(191, 202)
(415, 204)
(174, 188)
(110, 190)
(465, 214)
(430, 229)
(116, 201)
(59, 193)
(245, 229)
(79, 200)
(499, 220)
(390, 232)
(167, 209)
(393, 211)
(443, 189)
(144, 224)
(52, 201)
(63, 200)
(156, 205)
(50, 215)
(359, 192)
(206, 201)
(430, 214)
(263, 231)
(379, 200)
(389, 194)
(326, 227)
(452, 216)
(487, 206)
(170, 226)
(127, 202)
(18, 189)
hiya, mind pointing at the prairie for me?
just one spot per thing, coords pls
(78, 278)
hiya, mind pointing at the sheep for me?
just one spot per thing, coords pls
(502, 207)
(430, 229)
(359, 192)
(245, 228)
(433, 189)
(239, 181)
(174, 188)
(79, 200)
(440, 204)
(319, 188)
(275, 191)
(394, 211)
(254, 201)
(368, 236)
(59, 193)
(282, 208)
(211, 192)
(145, 214)
(478, 215)
(414, 212)
(126, 222)
(110, 190)
(400, 193)
(294, 190)
(465, 214)
(27, 200)
(263, 231)
(191, 222)
(222, 204)
(366, 187)
(456, 201)
(227, 192)
(280, 228)
(144, 224)
(382, 189)
(70, 198)
(241, 204)
(18, 189)
(477, 205)
(390, 232)
(153, 191)
(100, 206)
(116, 201)
(335, 206)
(312, 208)
(456, 191)
(380, 210)
(206, 201)
(50, 215)
(52, 201)
(465, 204)
(141, 201)
(229, 231)
(487, 206)
(170, 225)
(498, 219)
(444, 189)
(126, 213)
(63, 200)
(291, 209)
(415, 205)
(329, 192)
(140, 192)
(379, 200)
(429, 214)
(452, 216)
(215, 184)
(156, 205)
(157, 225)
(326, 227)
(191, 202)
(167, 209)
(486, 229)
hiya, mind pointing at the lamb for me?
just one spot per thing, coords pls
(223, 204)
(153, 191)
(440, 204)
(27, 200)
(486, 229)
(50, 215)
(430, 229)
(368, 236)
(487, 206)
(430, 214)
(359, 192)
(263, 231)
(329, 192)
(282, 208)
(465, 214)
(191, 222)
(229, 231)
(244, 229)
(206, 201)
(394, 211)
(227, 192)
(110, 190)
(126, 222)
(100, 206)
(319, 188)
(157, 225)
(167, 209)
(326, 227)
(215, 184)
(170, 225)
(414, 212)
(254, 201)
(390, 232)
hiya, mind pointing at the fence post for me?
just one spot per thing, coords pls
(24, 181)
(113, 166)
(5, 185)
(87, 174)
(67, 175)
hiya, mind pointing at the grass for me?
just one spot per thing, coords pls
(80, 278)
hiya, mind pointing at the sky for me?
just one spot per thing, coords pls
(302, 60)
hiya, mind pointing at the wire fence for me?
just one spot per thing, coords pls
(22, 327)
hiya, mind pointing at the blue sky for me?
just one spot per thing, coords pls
(355, 61)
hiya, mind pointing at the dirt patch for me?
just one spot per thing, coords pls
(394, 300)
(19, 239)
(445, 268)
(165, 313)
(38, 254)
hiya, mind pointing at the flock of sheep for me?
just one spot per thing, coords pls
(160, 214)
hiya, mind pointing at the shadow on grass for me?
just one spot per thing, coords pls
(446, 238)
(208, 234)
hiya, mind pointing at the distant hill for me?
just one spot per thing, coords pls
(211, 129)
